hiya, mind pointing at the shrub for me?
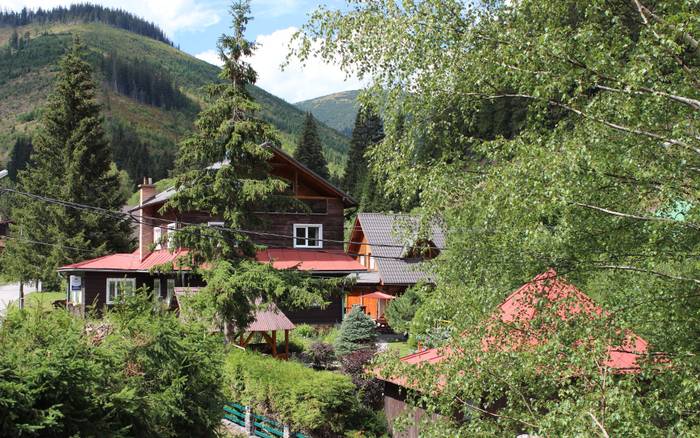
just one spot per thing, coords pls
(370, 389)
(356, 333)
(320, 355)
(321, 403)
(400, 311)
(305, 330)
(135, 372)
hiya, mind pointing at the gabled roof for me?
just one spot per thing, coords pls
(309, 260)
(271, 318)
(521, 305)
(387, 236)
(130, 262)
(279, 154)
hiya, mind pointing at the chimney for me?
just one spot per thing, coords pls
(146, 191)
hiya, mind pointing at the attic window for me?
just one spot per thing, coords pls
(421, 249)
(308, 236)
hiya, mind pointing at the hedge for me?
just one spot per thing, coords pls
(321, 403)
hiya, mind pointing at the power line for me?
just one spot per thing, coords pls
(38, 242)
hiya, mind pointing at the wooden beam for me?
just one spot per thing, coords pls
(247, 341)
(274, 343)
(286, 344)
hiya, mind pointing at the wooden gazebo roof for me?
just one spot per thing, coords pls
(270, 319)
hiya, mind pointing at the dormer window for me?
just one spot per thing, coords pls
(308, 236)
(422, 249)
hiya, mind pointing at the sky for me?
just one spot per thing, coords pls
(195, 25)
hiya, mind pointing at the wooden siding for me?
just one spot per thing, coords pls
(330, 315)
(395, 406)
(95, 284)
(371, 305)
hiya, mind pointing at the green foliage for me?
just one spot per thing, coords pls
(322, 403)
(71, 161)
(136, 372)
(237, 288)
(337, 110)
(309, 150)
(368, 131)
(599, 147)
(19, 157)
(400, 311)
(357, 332)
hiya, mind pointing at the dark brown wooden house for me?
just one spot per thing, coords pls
(310, 241)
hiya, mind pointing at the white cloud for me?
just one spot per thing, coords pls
(297, 82)
(211, 56)
(170, 15)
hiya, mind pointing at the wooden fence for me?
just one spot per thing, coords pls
(257, 425)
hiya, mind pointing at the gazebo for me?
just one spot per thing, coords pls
(268, 322)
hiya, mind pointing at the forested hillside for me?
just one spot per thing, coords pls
(336, 110)
(150, 90)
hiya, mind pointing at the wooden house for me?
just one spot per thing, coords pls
(311, 241)
(392, 251)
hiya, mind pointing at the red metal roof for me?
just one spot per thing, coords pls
(521, 306)
(309, 260)
(130, 262)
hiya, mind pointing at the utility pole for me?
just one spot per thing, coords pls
(3, 174)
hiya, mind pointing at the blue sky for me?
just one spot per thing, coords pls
(195, 25)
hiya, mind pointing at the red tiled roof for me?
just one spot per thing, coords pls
(309, 260)
(520, 306)
(129, 262)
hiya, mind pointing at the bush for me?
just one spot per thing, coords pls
(370, 389)
(356, 333)
(135, 372)
(321, 403)
(400, 311)
(320, 355)
(305, 330)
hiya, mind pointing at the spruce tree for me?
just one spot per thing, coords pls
(357, 332)
(368, 130)
(71, 161)
(19, 157)
(230, 132)
(309, 149)
(223, 169)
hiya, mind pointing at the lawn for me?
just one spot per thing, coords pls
(40, 299)
(402, 347)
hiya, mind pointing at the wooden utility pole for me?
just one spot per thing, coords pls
(21, 294)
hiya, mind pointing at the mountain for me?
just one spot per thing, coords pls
(151, 91)
(337, 110)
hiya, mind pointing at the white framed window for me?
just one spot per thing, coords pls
(372, 263)
(308, 236)
(157, 236)
(118, 286)
(156, 289)
(171, 291)
(171, 232)
(363, 260)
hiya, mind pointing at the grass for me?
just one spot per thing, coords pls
(401, 347)
(40, 300)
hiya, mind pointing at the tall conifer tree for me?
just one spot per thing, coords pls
(368, 130)
(71, 161)
(309, 149)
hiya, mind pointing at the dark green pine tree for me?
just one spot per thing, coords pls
(19, 157)
(368, 130)
(231, 133)
(309, 149)
(71, 161)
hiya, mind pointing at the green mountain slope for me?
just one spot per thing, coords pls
(337, 110)
(27, 72)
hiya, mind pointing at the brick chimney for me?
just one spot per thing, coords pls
(147, 190)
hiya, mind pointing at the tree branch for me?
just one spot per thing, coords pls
(493, 414)
(648, 271)
(687, 38)
(600, 426)
(637, 217)
(693, 103)
(618, 127)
